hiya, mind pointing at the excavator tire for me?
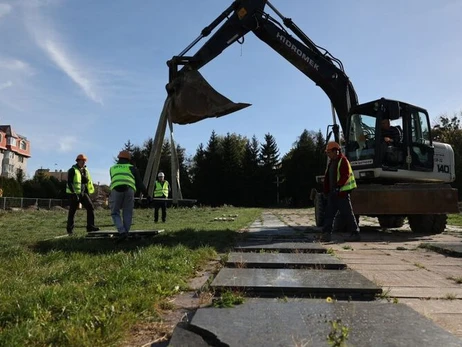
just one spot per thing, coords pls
(319, 209)
(389, 221)
(428, 223)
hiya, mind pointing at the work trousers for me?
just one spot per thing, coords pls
(124, 201)
(339, 207)
(160, 204)
(74, 201)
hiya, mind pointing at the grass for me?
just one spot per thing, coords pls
(455, 219)
(72, 291)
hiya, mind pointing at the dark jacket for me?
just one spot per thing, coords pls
(344, 175)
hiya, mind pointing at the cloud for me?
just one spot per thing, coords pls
(66, 143)
(54, 46)
(62, 60)
(4, 9)
(5, 85)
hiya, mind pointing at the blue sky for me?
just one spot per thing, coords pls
(81, 76)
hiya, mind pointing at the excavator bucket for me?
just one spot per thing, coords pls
(194, 99)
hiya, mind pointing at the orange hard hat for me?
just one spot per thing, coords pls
(332, 145)
(81, 157)
(124, 155)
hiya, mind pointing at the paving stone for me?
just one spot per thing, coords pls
(283, 260)
(425, 258)
(453, 249)
(307, 323)
(446, 271)
(342, 284)
(283, 230)
(382, 267)
(419, 278)
(367, 259)
(426, 292)
(283, 247)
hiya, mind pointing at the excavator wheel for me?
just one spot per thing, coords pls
(389, 221)
(428, 223)
(319, 209)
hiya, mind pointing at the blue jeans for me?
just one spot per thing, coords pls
(124, 201)
(339, 207)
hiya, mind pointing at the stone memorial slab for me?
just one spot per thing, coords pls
(107, 234)
(341, 284)
(282, 247)
(270, 231)
(269, 322)
(452, 249)
(284, 260)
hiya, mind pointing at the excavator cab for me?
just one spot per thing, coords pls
(387, 138)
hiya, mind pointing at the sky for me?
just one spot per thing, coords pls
(85, 76)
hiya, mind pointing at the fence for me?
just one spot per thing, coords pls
(27, 203)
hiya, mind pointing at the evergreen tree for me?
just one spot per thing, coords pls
(250, 182)
(269, 166)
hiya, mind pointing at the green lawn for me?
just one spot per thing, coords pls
(455, 219)
(76, 292)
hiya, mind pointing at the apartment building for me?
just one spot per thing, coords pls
(59, 175)
(14, 152)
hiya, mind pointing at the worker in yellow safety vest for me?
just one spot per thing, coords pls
(79, 187)
(161, 191)
(339, 181)
(125, 181)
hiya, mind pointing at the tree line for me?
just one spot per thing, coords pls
(240, 171)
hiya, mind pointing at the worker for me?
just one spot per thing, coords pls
(79, 187)
(125, 181)
(161, 192)
(391, 135)
(339, 181)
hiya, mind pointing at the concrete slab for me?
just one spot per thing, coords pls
(182, 337)
(419, 278)
(425, 257)
(382, 267)
(425, 292)
(284, 260)
(308, 323)
(453, 249)
(282, 247)
(342, 284)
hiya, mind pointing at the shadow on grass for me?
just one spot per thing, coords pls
(222, 240)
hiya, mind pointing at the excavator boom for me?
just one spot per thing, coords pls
(193, 99)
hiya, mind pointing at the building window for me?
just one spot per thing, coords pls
(11, 141)
(21, 159)
(23, 145)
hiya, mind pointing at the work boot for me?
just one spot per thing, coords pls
(93, 228)
(326, 237)
(70, 232)
(354, 237)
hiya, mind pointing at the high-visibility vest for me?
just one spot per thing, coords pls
(351, 182)
(78, 182)
(161, 190)
(122, 175)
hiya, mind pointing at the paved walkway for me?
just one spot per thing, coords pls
(420, 283)
(427, 281)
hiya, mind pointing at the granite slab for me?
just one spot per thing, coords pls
(284, 260)
(342, 284)
(270, 322)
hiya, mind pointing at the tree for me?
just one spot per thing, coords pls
(250, 183)
(269, 163)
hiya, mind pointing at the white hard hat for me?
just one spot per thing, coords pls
(161, 174)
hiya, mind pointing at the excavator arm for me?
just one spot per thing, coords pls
(240, 18)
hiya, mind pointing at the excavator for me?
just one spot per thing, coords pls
(407, 178)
